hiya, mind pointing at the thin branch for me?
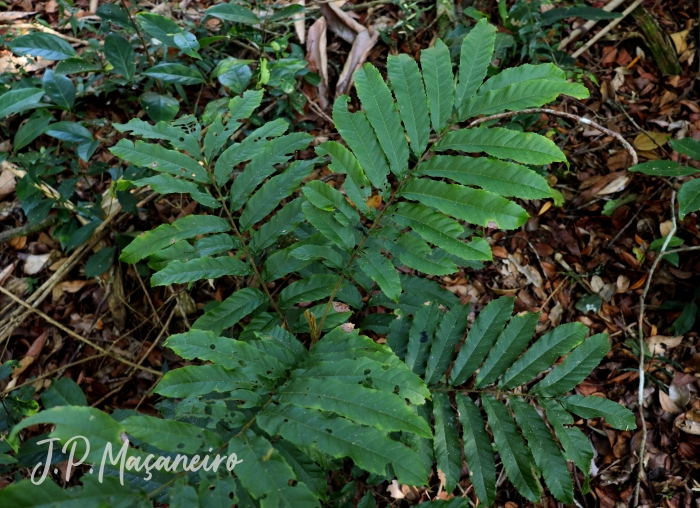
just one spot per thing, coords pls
(640, 397)
(29, 228)
(70, 332)
(606, 29)
(579, 119)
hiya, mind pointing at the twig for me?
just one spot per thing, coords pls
(585, 121)
(48, 191)
(640, 398)
(40, 294)
(606, 29)
(70, 332)
(48, 30)
(28, 229)
(609, 7)
(47, 374)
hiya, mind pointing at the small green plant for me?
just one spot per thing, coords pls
(144, 52)
(688, 202)
(279, 377)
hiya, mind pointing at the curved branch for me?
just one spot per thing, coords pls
(578, 119)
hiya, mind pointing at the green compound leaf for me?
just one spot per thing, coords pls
(380, 270)
(410, 96)
(265, 474)
(477, 449)
(370, 448)
(486, 328)
(194, 380)
(231, 311)
(508, 347)
(514, 454)
(543, 353)
(439, 83)
(545, 451)
(575, 368)
(446, 441)
(499, 177)
(182, 272)
(378, 409)
(475, 57)
(524, 147)
(619, 417)
(383, 117)
(464, 203)
(166, 234)
(442, 350)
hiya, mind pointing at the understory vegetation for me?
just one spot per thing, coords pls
(318, 297)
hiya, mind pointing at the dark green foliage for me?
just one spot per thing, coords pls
(280, 378)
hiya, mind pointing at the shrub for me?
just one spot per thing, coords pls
(293, 389)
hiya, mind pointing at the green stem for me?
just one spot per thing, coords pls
(246, 251)
(392, 199)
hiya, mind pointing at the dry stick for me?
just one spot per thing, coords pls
(48, 30)
(629, 148)
(48, 191)
(47, 374)
(609, 7)
(130, 377)
(640, 397)
(70, 332)
(40, 294)
(606, 29)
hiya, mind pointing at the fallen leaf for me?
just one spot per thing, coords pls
(299, 24)
(597, 283)
(623, 284)
(340, 22)
(32, 354)
(680, 41)
(616, 185)
(665, 228)
(374, 201)
(19, 242)
(688, 426)
(395, 491)
(659, 344)
(7, 183)
(668, 405)
(35, 263)
(533, 276)
(11, 15)
(499, 252)
(317, 57)
(364, 42)
(650, 140)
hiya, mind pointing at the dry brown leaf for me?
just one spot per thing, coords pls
(364, 42)
(650, 141)
(340, 22)
(11, 15)
(688, 426)
(668, 405)
(32, 354)
(623, 284)
(7, 183)
(18, 242)
(616, 185)
(499, 252)
(35, 263)
(665, 228)
(532, 275)
(299, 23)
(374, 201)
(659, 344)
(680, 41)
(317, 57)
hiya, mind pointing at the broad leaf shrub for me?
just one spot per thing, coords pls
(147, 63)
(293, 390)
